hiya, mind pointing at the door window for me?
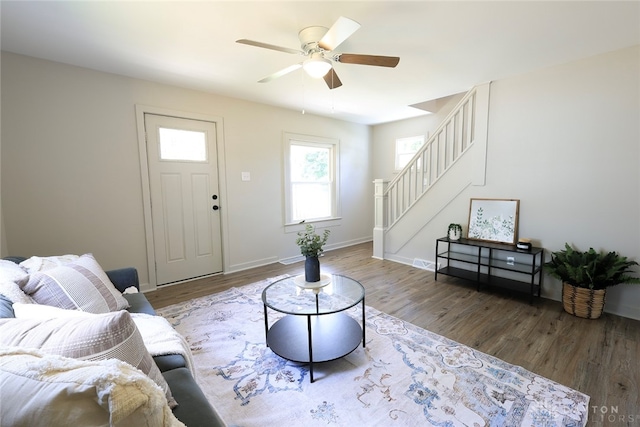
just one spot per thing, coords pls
(180, 144)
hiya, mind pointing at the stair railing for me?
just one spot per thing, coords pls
(452, 138)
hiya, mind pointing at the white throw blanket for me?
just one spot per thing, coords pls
(161, 339)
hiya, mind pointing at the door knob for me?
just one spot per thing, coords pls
(215, 207)
(214, 197)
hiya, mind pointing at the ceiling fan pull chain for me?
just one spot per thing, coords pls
(333, 96)
(303, 98)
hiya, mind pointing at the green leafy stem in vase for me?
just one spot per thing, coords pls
(310, 242)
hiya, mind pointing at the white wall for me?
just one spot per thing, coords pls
(566, 142)
(71, 178)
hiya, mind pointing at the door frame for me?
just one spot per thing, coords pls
(141, 110)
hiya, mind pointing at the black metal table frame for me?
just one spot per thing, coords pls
(309, 331)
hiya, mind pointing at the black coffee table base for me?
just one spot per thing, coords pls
(332, 336)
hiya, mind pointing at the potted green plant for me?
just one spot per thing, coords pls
(311, 244)
(586, 276)
(454, 231)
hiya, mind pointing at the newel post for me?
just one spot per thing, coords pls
(380, 220)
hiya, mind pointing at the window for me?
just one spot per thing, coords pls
(406, 148)
(311, 191)
(179, 144)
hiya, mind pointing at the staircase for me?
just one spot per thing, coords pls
(415, 196)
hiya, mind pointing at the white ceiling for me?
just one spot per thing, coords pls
(444, 47)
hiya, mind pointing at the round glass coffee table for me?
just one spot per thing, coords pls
(316, 327)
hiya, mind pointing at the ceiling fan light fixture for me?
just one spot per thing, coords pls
(316, 66)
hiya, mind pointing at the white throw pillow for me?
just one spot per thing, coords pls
(12, 291)
(81, 285)
(37, 263)
(11, 272)
(88, 337)
(41, 311)
(38, 390)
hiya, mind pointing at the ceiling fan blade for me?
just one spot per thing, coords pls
(380, 61)
(332, 80)
(280, 73)
(341, 30)
(270, 46)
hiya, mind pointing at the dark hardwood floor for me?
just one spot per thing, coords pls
(597, 357)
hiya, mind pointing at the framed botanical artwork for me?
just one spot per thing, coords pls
(494, 220)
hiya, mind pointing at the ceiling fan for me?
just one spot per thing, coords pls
(317, 45)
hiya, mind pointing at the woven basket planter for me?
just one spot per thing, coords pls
(583, 302)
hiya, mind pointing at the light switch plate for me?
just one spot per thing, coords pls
(246, 176)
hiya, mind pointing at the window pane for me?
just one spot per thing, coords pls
(409, 145)
(403, 159)
(406, 148)
(178, 144)
(310, 201)
(309, 164)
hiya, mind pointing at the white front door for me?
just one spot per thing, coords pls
(183, 180)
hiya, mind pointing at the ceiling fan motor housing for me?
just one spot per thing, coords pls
(310, 38)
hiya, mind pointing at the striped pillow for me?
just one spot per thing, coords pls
(98, 337)
(78, 285)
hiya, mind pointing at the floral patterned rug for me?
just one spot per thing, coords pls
(405, 375)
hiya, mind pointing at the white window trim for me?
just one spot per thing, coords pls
(288, 139)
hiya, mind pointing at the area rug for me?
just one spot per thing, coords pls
(404, 376)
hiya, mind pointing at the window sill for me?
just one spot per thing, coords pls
(320, 223)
